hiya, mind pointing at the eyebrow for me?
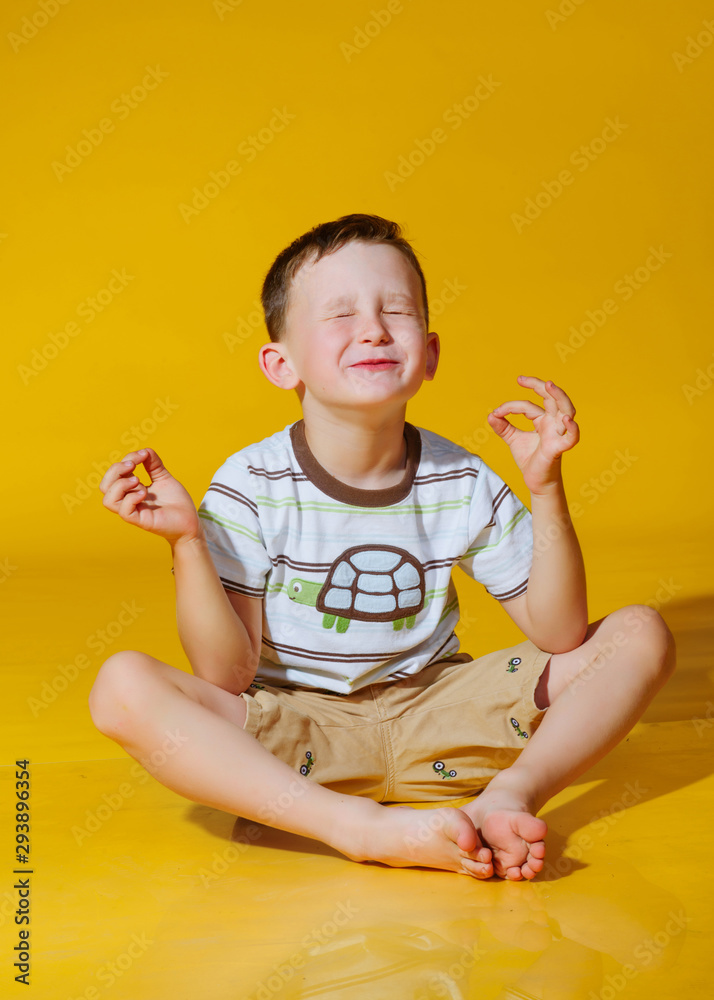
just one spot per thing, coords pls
(342, 300)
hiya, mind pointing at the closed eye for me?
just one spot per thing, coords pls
(387, 312)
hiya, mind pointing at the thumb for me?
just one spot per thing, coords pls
(498, 424)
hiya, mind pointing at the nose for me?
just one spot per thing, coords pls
(374, 330)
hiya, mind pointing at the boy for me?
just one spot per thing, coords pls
(316, 607)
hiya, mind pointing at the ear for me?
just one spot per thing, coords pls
(433, 348)
(275, 365)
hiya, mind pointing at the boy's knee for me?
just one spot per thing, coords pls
(649, 626)
(118, 679)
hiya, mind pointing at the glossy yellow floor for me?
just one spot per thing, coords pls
(139, 893)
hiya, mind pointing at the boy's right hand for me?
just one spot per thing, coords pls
(165, 508)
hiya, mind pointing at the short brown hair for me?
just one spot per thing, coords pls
(315, 244)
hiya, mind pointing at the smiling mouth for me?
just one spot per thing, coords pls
(375, 364)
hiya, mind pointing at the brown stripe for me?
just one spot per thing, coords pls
(276, 473)
(232, 494)
(500, 497)
(442, 477)
(317, 654)
(515, 592)
(314, 567)
(238, 588)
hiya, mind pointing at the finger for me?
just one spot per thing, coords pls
(571, 428)
(115, 472)
(524, 406)
(118, 490)
(128, 505)
(549, 391)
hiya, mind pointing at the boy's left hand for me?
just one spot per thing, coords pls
(537, 452)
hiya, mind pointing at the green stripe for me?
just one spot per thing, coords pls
(448, 609)
(231, 525)
(400, 509)
(506, 531)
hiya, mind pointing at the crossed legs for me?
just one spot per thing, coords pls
(594, 695)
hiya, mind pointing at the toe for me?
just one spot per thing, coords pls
(478, 869)
(530, 828)
(514, 873)
(537, 849)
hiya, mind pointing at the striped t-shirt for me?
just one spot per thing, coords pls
(356, 584)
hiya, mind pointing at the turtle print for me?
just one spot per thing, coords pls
(513, 664)
(369, 583)
(516, 726)
(440, 767)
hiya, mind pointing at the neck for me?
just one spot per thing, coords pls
(366, 455)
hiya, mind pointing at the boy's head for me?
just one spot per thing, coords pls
(339, 299)
(315, 244)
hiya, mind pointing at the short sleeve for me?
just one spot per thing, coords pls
(230, 519)
(500, 538)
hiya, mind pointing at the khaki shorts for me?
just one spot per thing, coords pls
(441, 733)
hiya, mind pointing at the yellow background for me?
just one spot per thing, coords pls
(359, 110)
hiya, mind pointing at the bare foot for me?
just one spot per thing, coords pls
(402, 837)
(504, 817)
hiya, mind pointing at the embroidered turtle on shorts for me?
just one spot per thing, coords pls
(440, 767)
(306, 768)
(513, 665)
(516, 726)
(368, 583)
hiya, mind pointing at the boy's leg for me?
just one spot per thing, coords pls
(594, 695)
(143, 704)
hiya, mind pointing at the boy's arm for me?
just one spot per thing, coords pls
(221, 647)
(553, 612)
